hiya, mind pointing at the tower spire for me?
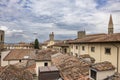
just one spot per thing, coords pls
(110, 25)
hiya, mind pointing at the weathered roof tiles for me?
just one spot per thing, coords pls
(71, 68)
(20, 54)
(103, 66)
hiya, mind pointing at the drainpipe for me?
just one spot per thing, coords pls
(117, 56)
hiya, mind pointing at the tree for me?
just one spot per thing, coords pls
(36, 44)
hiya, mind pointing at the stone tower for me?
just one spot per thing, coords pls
(81, 34)
(2, 34)
(110, 26)
(51, 36)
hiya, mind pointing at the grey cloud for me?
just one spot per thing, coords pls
(44, 16)
(64, 37)
(76, 26)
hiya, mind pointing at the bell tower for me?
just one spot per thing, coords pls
(110, 25)
(51, 36)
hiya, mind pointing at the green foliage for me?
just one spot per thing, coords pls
(36, 44)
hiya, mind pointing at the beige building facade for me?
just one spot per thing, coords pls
(21, 45)
(102, 47)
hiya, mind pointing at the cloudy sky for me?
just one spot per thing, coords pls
(25, 20)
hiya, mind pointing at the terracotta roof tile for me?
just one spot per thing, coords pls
(98, 38)
(1, 68)
(45, 54)
(31, 68)
(29, 65)
(103, 66)
(71, 68)
(18, 54)
(87, 57)
(14, 73)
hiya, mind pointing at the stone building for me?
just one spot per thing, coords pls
(49, 42)
(2, 35)
(62, 46)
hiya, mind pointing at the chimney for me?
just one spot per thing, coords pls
(81, 34)
(110, 25)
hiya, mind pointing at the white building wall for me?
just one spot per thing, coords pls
(97, 54)
(3, 54)
(109, 57)
(104, 74)
(119, 60)
(79, 51)
(13, 62)
(101, 75)
(71, 49)
(75, 50)
(41, 63)
(82, 52)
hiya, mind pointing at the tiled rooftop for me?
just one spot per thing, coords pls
(87, 57)
(71, 68)
(103, 66)
(31, 68)
(98, 38)
(45, 54)
(19, 54)
(11, 72)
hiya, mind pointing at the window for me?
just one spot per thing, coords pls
(46, 64)
(76, 54)
(107, 50)
(92, 49)
(71, 46)
(93, 74)
(1, 37)
(19, 60)
(65, 50)
(76, 47)
(83, 48)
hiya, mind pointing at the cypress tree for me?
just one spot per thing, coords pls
(36, 44)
